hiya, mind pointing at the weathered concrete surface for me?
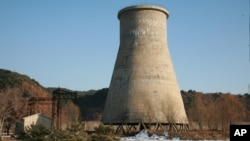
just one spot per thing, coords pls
(37, 119)
(143, 87)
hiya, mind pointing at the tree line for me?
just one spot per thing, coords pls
(216, 111)
(213, 111)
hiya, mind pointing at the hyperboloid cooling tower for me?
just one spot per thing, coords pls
(143, 89)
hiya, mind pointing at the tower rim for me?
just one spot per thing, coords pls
(143, 7)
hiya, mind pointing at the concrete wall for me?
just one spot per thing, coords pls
(144, 87)
(37, 119)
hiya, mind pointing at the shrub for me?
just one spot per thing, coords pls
(104, 130)
(35, 133)
(41, 133)
(95, 137)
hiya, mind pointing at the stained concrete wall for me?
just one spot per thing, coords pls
(37, 119)
(143, 87)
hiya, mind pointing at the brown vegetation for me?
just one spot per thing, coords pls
(216, 111)
(10, 105)
(201, 135)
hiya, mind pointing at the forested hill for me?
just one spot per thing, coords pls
(15, 91)
(205, 109)
(20, 88)
(23, 83)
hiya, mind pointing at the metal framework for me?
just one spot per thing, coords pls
(58, 96)
(154, 127)
(33, 101)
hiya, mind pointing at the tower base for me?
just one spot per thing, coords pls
(128, 128)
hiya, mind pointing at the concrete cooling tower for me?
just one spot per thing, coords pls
(144, 92)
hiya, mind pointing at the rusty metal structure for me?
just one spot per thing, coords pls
(144, 92)
(58, 96)
(34, 101)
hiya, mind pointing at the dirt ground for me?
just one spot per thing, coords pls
(201, 135)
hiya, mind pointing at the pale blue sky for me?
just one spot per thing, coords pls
(74, 43)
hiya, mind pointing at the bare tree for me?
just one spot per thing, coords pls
(231, 110)
(73, 115)
(212, 116)
(9, 101)
(198, 111)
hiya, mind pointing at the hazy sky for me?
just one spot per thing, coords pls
(74, 43)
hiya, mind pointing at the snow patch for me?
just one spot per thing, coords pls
(143, 136)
